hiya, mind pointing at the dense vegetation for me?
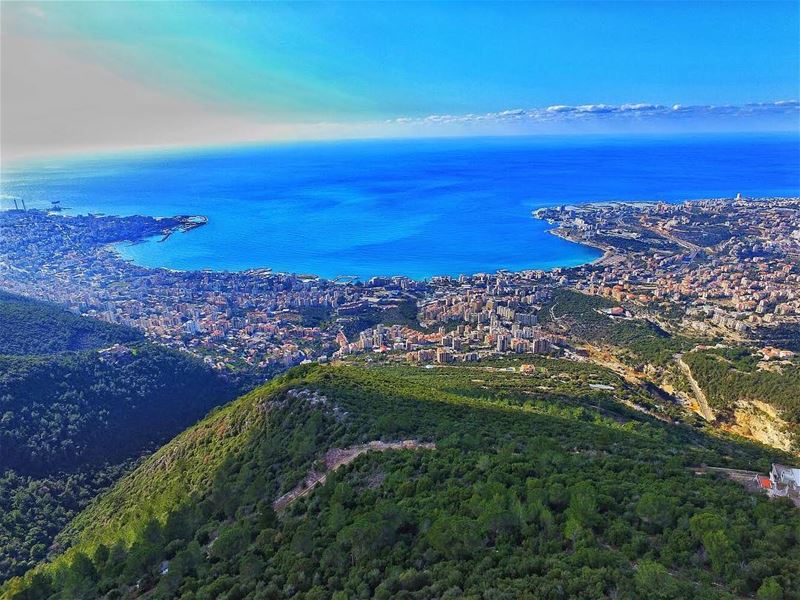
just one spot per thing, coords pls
(31, 327)
(71, 410)
(729, 375)
(71, 423)
(782, 335)
(638, 340)
(540, 486)
(404, 314)
(34, 509)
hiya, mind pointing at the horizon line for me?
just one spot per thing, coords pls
(121, 151)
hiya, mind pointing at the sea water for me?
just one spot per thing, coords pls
(406, 207)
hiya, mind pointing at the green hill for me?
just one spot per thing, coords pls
(729, 375)
(541, 486)
(72, 422)
(76, 392)
(29, 327)
(637, 341)
(81, 409)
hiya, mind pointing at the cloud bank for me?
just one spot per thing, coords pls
(560, 113)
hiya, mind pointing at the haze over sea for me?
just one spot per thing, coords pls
(407, 207)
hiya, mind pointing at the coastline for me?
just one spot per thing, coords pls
(185, 223)
(608, 251)
(117, 248)
(195, 221)
(462, 218)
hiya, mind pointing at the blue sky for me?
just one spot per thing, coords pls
(156, 73)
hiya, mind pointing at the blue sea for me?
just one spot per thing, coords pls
(412, 207)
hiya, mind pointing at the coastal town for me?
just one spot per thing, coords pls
(252, 319)
(724, 267)
(729, 266)
(442, 300)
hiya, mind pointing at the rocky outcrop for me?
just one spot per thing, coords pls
(339, 457)
(759, 421)
(753, 419)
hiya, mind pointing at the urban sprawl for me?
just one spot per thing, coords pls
(727, 267)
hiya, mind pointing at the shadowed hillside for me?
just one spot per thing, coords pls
(30, 327)
(79, 404)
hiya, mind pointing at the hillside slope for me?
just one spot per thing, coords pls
(762, 400)
(542, 486)
(78, 406)
(82, 409)
(758, 400)
(31, 327)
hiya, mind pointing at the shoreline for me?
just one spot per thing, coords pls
(116, 247)
(608, 251)
(185, 223)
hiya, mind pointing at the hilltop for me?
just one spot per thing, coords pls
(547, 484)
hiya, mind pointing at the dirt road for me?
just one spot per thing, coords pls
(702, 402)
(338, 457)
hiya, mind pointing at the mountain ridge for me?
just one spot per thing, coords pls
(201, 507)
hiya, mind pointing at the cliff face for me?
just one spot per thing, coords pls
(753, 419)
(761, 422)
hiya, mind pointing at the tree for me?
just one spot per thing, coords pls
(653, 581)
(454, 537)
(582, 510)
(770, 590)
(720, 550)
(100, 556)
(704, 522)
(231, 541)
(655, 510)
(81, 578)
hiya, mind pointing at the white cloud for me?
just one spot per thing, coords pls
(55, 101)
(566, 113)
(35, 11)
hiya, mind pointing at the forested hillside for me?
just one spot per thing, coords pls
(728, 375)
(32, 327)
(541, 486)
(734, 380)
(72, 422)
(636, 340)
(89, 408)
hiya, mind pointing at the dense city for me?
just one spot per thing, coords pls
(730, 267)
(727, 267)
(688, 322)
